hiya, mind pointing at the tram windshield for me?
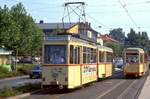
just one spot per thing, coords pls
(132, 58)
(55, 54)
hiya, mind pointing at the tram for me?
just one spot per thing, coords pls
(135, 62)
(70, 61)
(105, 67)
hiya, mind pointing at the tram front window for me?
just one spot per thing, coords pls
(132, 58)
(55, 54)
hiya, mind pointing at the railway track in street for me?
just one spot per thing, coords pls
(113, 88)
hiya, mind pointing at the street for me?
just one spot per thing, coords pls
(17, 81)
(113, 88)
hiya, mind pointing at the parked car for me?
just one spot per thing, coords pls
(118, 63)
(36, 72)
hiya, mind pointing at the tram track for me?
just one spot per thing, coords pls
(130, 89)
(113, 88)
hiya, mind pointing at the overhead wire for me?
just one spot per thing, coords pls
(127, 12)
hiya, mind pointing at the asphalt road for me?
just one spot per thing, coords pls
(113, 88)
(17, 81)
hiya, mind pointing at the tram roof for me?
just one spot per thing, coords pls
(55, 25)
(104, 48)
(136, 48)
(62, 38)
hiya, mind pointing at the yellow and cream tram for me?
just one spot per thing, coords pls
(76, 59)
(105, 67)
(72, 62)
(135, 62)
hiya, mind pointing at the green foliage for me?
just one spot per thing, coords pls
(8, 91)
(22, 69)
(117, 48)
(18, 31)
(4, 70)
(137, 40)
(118, 34)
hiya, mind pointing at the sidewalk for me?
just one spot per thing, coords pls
(145, 92)
(13, 78)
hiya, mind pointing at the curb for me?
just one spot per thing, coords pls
(25, 94)
(19, 96)
(13, 78)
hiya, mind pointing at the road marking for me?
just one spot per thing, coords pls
(120, 96)
(108, 82)
(22, 82)
(121, 82)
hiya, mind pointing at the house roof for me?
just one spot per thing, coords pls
(55, 25)
(106, 37)
(5, 52)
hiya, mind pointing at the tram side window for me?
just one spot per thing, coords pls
(101, 56)
(84, 55)
(89, 55)
(141, 58)
(55, 54)
(88, 52)
(93, 55)
(109, 57)
(71, 54)
(74, 54)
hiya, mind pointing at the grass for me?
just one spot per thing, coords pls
(13, 91)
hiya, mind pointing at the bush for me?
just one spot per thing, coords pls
(4, 70)
(8, 91)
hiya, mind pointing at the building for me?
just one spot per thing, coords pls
(80, 29)
(107, 39)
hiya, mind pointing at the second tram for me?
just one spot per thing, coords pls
(135, 62)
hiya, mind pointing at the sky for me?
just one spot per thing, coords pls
(107, 14)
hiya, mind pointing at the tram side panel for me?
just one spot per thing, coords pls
(89, 73)
(101, 70)
(108, 69)
(104, 63)
(74, 76)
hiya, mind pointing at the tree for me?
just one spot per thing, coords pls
(117, 48)
(132, 38)
(118, 34)
(18, 30)
(139, 39)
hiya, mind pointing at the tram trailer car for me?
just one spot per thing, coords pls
(135, 62)
(104, 62)
(70, 62)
